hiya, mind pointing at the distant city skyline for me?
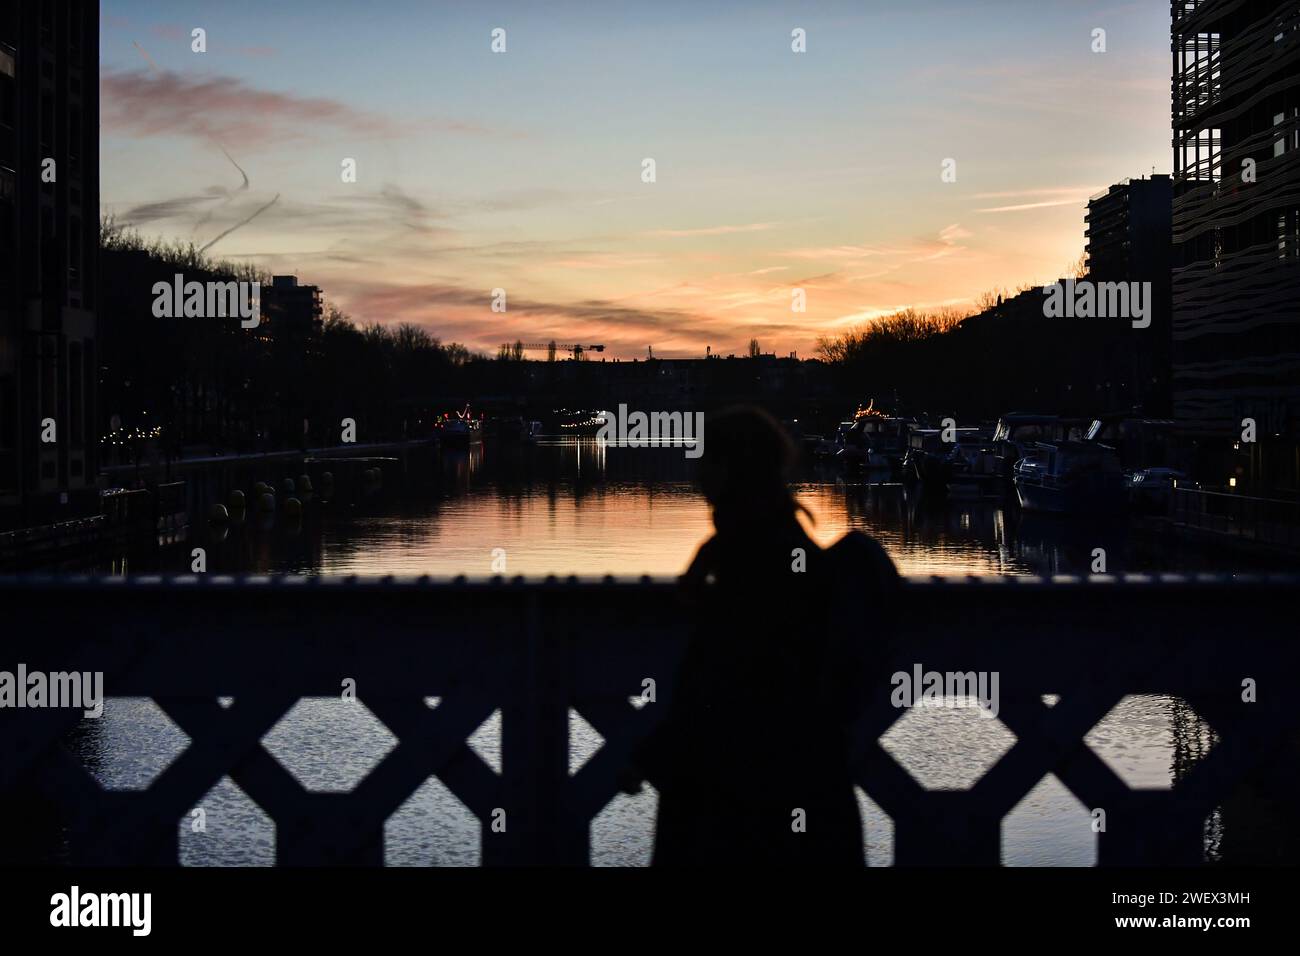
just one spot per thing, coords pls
(522, 170)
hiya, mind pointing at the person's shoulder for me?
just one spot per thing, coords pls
(695, 579)
(858, 553)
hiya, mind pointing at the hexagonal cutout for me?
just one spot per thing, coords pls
(329, 744)
(947, 747)
(226, 828)
(623, 833)
(432, 828)
(1049, 827)
(1151, 740)
(877, 830)
(129, 745)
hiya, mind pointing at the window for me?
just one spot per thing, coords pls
(77, 419)
(74, 250)
(8, 96)
(74, 139)
(46, 373)
(8, 214)
(47, 124)
(8, 411)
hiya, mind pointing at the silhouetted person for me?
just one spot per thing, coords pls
(751, 760)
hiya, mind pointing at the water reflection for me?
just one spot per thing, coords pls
(579, 507)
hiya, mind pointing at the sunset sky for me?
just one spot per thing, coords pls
(522, 170)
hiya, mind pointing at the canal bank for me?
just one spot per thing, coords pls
(152, 503)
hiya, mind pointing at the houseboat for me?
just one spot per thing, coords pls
(873, 441)
(459, 429)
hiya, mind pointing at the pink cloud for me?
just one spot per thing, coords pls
(162, 103)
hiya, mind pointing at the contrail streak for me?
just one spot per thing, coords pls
(239, 224)
(203, 220)
(236, 165)
(148, 59)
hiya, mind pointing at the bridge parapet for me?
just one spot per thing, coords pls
(535, 649)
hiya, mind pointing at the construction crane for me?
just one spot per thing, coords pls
(574, 350)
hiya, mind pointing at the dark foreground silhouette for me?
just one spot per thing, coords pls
(751, 761)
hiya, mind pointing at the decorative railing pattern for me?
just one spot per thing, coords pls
(535, 649)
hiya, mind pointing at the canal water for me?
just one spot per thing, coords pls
(578, 508)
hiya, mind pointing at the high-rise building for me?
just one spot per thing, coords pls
(1128, 240)
(292, 315)
(1128, 230)
(1236, 231)
(292, 308)
(49, 234)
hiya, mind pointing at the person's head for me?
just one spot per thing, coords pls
(746, 462)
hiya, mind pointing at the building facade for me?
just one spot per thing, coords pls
(49, 234)
(1128, 240)
(291, 314)
(1236, 278)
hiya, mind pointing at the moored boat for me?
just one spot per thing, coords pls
(959, 462)
(873, 441)
(1070, 477)
(460, 430)
(1017, 433)
(1151, 490)
(973, 467)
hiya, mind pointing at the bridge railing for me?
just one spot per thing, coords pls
(534, 650)
(1267, 521)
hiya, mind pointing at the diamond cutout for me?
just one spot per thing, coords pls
(584, 741)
